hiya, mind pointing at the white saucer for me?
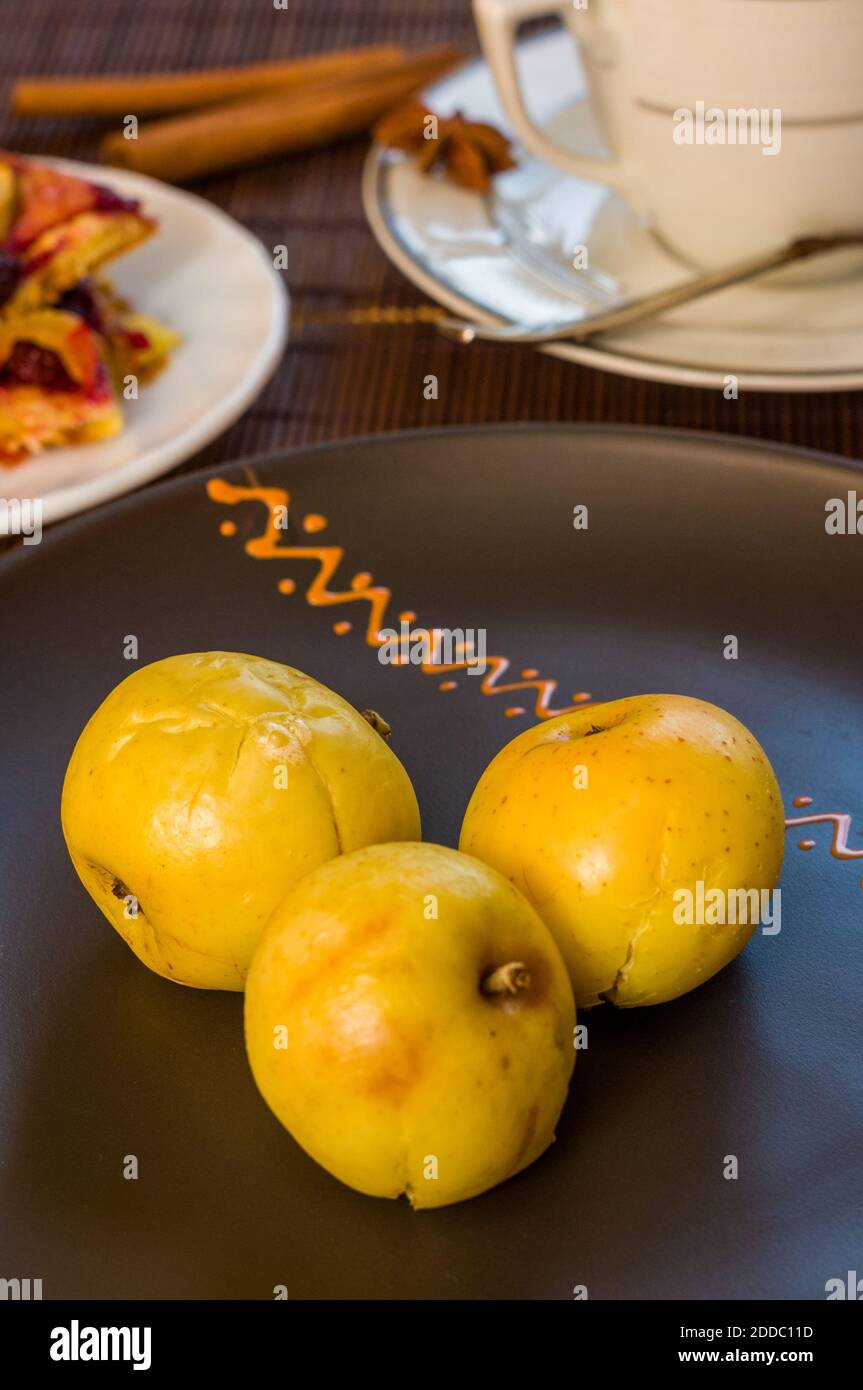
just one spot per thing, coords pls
(509, 257)
(211, 280)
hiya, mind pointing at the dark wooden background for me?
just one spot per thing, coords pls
(338, 379)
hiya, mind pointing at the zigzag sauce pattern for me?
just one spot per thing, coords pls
(841, 823)
(269, 546)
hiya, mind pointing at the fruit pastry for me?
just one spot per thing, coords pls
(68, 345)
(57, 229)
(63, 369)
(138, 344)
(56, 385)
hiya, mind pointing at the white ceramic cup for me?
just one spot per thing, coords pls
(678, 86)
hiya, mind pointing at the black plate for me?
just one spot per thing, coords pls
(689, 539)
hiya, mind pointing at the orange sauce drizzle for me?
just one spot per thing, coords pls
(841, 826)
(841, 829)
(269, 545)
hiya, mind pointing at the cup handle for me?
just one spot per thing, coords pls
(497, 22)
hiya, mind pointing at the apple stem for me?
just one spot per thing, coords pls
(377, 721)
(506, 979)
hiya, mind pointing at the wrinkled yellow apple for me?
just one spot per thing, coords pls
(204, 787)
(609, 818)
(410, 1021)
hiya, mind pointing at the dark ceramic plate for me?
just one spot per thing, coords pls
(690, 539)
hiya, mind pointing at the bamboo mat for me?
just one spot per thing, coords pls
(342, 378)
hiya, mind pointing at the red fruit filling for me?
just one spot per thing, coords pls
(106, 200)
(30, 365)
(136, 339)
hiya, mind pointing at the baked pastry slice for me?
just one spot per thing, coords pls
(57, 229)
(56, 385)
(138, 344)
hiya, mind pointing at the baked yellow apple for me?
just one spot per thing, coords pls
(204, 787)
(409, 1019)
(643, 831)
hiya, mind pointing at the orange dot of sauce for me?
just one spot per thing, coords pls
(513, 711)
(803, 801)
(314, 522)
(341, 628)
(228, 528)
(286, 586)
(805, 844)
(447, 685)
(361, 580)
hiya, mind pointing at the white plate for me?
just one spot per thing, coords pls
(509, 257)
(211, 280)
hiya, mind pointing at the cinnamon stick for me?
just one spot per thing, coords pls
(239, 133)
(132, 94)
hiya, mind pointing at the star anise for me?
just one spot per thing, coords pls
(470, 153)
